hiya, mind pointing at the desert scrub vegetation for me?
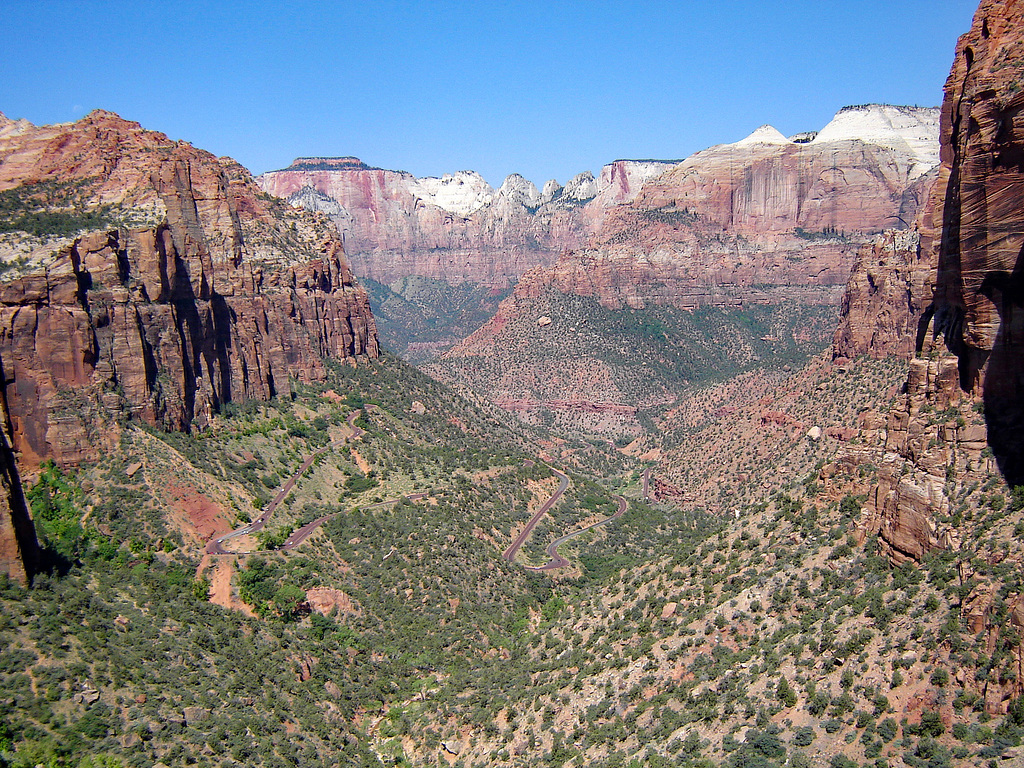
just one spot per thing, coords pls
(51, 208)
(767, 634)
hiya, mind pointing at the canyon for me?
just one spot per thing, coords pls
(782, 374)
(193, 291)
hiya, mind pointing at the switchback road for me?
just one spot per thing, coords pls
(298, 536)
(215, 546)
(557, 561)
(510, 553)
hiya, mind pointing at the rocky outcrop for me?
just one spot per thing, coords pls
(977, 230)
(763, 211)
(885, 298)
(910, 494)
(227, 295)
(933, 451)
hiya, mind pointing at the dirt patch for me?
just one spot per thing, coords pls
(195, 515)
(363, 465)
(489, 474)
(219, 571)
(333, 396)
(327, 601)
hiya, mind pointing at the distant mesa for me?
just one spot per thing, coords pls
(329, 164)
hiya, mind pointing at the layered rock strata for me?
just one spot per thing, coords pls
(977, 236)
(222, 295)
(763, 219)
(933, 450)
(766, 210)
(885, 298)
(455, 228)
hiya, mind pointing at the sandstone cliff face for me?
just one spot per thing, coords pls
(978, 231)
(933, 450)
(226, 295)
(858, 174)
(764, 219)
(762, 211)
(456, 228)
(917, 445)
(18, 545)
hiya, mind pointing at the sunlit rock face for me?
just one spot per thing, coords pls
(197, 291)
(455, 228)
(975, 230)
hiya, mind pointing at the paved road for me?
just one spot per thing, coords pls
(510, 553)
(300, 535)
(215, 546)
(647, 484)
(557, 561)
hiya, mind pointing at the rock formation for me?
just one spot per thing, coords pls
(977, 232)
(18, 546)
(956, 301)
(857, 175)
(455, 228)
(885, 298)
(662, 228)
(962, 282)
(198, 291)
(762, 219)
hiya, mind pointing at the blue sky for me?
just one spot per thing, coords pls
(546, 89)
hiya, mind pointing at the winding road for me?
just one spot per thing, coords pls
(510, 553)
(557, 561)
(299, 535)
(215, 546)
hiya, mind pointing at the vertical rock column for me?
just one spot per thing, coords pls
(19, 550)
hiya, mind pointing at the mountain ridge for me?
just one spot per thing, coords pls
(158, 283)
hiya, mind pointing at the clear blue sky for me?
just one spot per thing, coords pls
(546, 89)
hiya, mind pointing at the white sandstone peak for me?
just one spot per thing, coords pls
(766, 134)
(460, 193)
(517, 189)
(913, 129)
(582, 186)
(551, 188)
(9, 127)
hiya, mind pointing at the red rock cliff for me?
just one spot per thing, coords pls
(202, 291)
(885, 297)
(977, 223)
(18, 546)
(456, 228)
